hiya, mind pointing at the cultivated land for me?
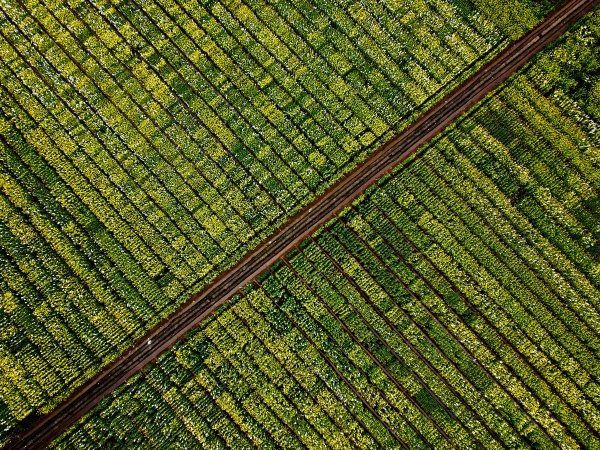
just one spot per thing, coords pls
(146, 146)
(323, 208)
(455, 304)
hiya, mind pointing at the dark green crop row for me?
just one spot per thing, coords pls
(456, 304)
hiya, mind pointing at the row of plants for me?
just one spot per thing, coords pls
(147, 145)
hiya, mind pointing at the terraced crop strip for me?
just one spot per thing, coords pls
(455, 305)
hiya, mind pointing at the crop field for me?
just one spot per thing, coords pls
(146, 145)
(456, 304)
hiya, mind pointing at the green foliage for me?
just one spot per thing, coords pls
(455, 304)
(145, 146)
(514, 17)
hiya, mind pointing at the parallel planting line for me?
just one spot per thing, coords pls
(318, 212)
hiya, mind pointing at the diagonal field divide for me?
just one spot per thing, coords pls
(318, 212)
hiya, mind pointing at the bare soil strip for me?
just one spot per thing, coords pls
(322, 209)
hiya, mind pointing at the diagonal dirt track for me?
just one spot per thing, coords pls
(347, 189)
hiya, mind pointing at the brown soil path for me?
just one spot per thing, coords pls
(322, 209)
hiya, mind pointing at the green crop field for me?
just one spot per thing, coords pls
(146, 145)
(457, 303)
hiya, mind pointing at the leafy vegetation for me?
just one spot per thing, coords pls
(146, 145)
(455, 304)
